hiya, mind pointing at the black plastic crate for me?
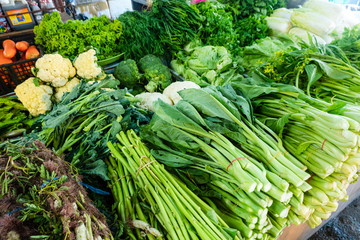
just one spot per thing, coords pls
(13, 74)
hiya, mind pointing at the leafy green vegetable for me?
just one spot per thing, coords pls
(140, 35)
(85, 120)
(206, 65)
(217, 25)
(178, 23)
(74, 37)
(13, 116)
(323, 136)
(350, 44)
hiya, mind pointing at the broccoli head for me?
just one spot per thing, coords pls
(156, 73)
(148, 61)
(128, 74)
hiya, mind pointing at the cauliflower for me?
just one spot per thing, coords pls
(54, 69)
(68, 87)
(147, 100)
(86, 65)
(172, 90)
(36, 99)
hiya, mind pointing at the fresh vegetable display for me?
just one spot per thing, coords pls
(54, 76)
(87, 118)
(207, 131)
(260, 130)
(173, 206)
(39, 188)
(74, 37)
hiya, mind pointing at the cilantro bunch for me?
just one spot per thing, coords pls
(73, 37)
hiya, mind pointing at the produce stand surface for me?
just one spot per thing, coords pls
(303, 231)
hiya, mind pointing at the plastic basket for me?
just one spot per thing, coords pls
(13, 74)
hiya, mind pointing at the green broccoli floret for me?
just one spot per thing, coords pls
(148, 61)
(128, 74)
(156, 73)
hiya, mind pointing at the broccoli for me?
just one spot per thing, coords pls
(128, 74)
(148, 61)
(156, 73)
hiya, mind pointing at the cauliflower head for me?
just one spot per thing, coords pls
(54, 69)
(172, 90)
(36, 99)
(68, 87)
(86, 65)
(147, 100)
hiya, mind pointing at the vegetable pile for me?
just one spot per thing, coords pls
(205, 65)
(22, 48)
(74, 37)
(257, 138)
(54, 76)
(150, 73)
(39, 188)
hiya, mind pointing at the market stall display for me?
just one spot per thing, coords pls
(262, 131)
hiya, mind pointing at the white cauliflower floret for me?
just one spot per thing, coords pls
(86, 65)
(68, 87)
(36, 99)
(172, 90)
(147, 100)
(54, 69)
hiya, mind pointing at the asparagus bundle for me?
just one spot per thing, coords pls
(179, 211)
(42, 198)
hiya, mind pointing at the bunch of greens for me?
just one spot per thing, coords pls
(74, 37)
(323, 71)
(14, 118)
(249, 18)
(350, 44)
(323, 136)
(178, 23)
(217, 25)
(85, 120)
(206, 65)
(41, 197)
(141, 35)
(245, 8)
(212, 132)
(138, 180)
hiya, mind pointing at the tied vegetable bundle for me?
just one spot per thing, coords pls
(85, 120)
(140, 184)
(41, 198)
(162, 31)
(324, 137)
(212, 133)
